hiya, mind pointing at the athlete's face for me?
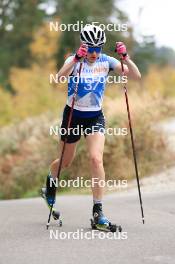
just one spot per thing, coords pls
(91, 57)
(93, 54)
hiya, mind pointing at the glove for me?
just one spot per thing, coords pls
(120, 48)
(81, 52)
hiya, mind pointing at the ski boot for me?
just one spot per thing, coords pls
(100, 222)
(49, 194)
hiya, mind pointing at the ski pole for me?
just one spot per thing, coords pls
(133, 145)
(65, 140)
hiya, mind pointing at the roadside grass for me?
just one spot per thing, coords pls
(27, 149)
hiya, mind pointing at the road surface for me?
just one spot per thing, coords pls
(25, 240)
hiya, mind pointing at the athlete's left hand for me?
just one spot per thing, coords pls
(120, 48)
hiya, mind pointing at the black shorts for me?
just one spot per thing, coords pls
(80, 126)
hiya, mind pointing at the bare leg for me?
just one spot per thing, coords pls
(95, 145)
(68, 157)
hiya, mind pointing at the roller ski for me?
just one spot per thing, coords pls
(48, 194)
(100, 222)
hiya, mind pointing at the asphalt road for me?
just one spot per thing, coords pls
(25, 240)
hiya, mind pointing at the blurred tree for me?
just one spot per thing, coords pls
(33, 92)
(83, 12)
(6, 108)
(146, 54)
(18, 19)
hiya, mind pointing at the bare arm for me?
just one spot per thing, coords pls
(130, 69)
(66, 69)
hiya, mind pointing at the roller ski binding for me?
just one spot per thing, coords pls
(48, 194)
(100, 222)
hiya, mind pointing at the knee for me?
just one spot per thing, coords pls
(54, 165)
(96, 160)
(67, 163)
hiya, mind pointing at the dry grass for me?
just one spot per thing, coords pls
(26, 149)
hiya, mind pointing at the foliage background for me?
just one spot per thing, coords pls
(29, 104)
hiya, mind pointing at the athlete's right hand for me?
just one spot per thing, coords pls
(81, 52)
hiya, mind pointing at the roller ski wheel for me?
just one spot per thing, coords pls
(55, 213)
(56, 216)
(100, 222)
(106, 227)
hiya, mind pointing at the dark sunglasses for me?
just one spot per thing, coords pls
(96, 49)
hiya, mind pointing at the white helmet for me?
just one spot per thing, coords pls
(93, 36)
